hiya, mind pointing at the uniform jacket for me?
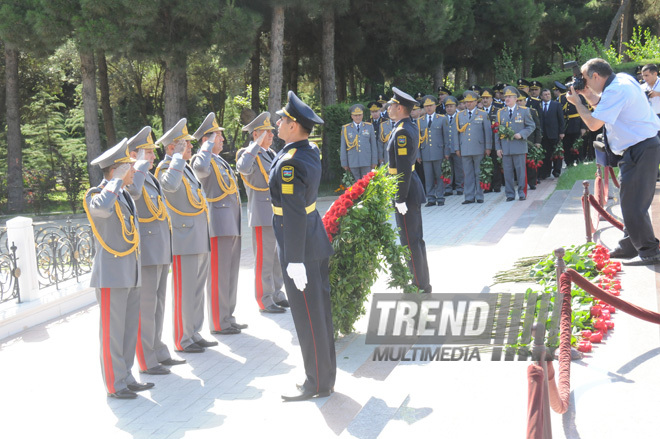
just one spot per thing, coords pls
(403, 151)
(552, 121)
(362, 153)
(155, 234)
(384, 132)
(435, 140)
(110, 270)
(190, 233)
(294, 184)
(248, 160)
(521, 122)
(224, 207)
(573, 120)
(452, 133)
(477, 137)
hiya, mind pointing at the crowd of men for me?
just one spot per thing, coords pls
(464, 131)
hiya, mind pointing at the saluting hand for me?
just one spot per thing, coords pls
(121, 170)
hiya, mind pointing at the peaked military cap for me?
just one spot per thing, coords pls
(142, 140)
(523, 83)
(419, 95)
(374, 106)
(357, 109)
(499, 86)
(559, 86)
(177, 132)
(487, 93)
(442, 90)
(475, 88)
(510, 90)
(536, 85)
(261, 122)
(210, 125)
(418, 105)
(300, 112)
(523, 95)
(116, 154)
(402, 98)
(469, 96)
(381, 99)
(429, 100)
(451, 100)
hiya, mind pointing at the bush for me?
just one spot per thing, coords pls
(38, 184)
(334, 117)
(73, 174)
(643, 45)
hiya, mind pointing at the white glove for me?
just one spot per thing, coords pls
(140, 154)
(260, 138)
(122, 170)
(298, 274)
(141, 165)
(207, 146)
(177, 155)
(401, 207)
(211, 138)
(179, 148)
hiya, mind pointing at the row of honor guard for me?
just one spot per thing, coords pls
(187, 216)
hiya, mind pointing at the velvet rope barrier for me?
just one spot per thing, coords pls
(615, 222)
(560, 393)
(614, 179)
(535, 418)
(587, 220)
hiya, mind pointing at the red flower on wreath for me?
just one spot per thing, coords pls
(342, 204)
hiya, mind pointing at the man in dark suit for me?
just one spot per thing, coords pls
(553, 127)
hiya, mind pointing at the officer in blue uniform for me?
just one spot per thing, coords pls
(303, 247)
(403, 150)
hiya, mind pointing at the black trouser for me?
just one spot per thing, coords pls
(638, 171)
(412, 235)
(498, 178)
(312, 317)
(549, 165)
(569, 156)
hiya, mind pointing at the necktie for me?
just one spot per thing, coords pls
(451, 119)
(357, 125)
(469, 115)
(510, 113)
(430, 118)
(545, 107)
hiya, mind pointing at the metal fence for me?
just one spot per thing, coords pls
(63, 253)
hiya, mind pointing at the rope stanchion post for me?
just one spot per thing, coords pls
(601, 187)
(587, 210)
(560, 268)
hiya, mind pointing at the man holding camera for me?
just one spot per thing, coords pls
(651, 86)
(630, 131)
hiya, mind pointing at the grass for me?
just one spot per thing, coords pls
(583, 171)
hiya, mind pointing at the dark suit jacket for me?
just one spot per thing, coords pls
(552, 121)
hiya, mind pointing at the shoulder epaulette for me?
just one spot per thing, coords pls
(289, 154)
(344, 126)
(367, 123)
(522, 106)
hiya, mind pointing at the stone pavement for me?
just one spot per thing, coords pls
(51, 381)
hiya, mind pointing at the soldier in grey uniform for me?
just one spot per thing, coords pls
(358, 152)
(383, 136)
(458, 176)
(434, 148)
(221, 189)
(475, 140)
(156, 247)
(116, 269)
(186, 204)
(513, 152)
(253, 162)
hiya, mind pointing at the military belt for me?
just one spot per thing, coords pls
(394, 170)
(309, 209)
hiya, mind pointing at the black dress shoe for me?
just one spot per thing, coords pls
(643, 260)
(139, 387)
(192, 348)
(123, 394)
(523, 198)
(459, 192)
(273, 309)
(304, 395)
(480, 201)
(510, 198)
(301, 387)
(532, 188)
(239, 325)
(498, 190)
(441, 203)
(429, 204)
(619, 253)
(172, 362)
(156, 370)
(283, 303)
(206, 344)
(231, 330)
(468, 202)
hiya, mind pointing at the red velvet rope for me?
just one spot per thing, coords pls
(535, 418)
(560, 394)
(614, 179)
(584, 208)
(615, 222)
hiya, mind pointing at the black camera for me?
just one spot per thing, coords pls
(578, 80)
